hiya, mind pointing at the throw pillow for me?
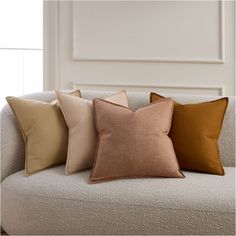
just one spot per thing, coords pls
(79, 116)
(134, 144)
(44, 131)
(195, 131)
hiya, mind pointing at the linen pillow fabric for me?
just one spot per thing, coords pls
(79, 116)
(134, 144)
(195, 131)
(44, 131)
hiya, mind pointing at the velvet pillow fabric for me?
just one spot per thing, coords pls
(44, 131)
(195, 131)
(79, 116)
(134, 144)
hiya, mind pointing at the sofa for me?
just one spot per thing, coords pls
(51, 203)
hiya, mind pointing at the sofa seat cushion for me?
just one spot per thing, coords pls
(50, 202)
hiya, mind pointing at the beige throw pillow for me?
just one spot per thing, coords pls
(44, 131)
(79, 116)
(134, 144)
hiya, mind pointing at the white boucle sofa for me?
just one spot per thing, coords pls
(49, 202)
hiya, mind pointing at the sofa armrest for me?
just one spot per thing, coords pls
(11, 144)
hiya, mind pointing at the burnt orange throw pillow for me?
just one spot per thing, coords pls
(195, 131)
(134, 144)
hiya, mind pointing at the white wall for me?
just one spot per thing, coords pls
(171, 47)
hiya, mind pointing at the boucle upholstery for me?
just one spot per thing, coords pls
(49, 202)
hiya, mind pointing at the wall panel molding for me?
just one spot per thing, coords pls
(204, 76)
(218, 90)
(77, 56)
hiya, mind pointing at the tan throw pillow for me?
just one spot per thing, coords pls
(44, 131)
(195, 131)
(79, 116)
(134, 144)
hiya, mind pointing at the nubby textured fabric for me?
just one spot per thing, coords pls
(50, 203)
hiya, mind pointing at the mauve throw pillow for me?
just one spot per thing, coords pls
(134, 144)
(79, 116)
